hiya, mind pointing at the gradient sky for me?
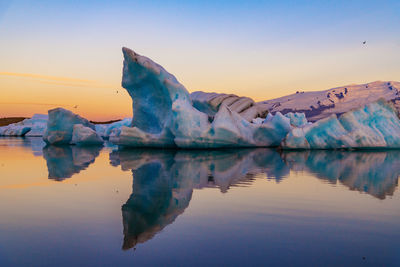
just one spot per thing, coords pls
(67, 53)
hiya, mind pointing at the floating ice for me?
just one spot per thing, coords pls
(34, 126)
(60, 126)
(375, 125)
(82, 135)
(163, 114)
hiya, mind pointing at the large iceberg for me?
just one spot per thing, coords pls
(164, 115)
(374, 125)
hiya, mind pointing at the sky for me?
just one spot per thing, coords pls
(68, 53)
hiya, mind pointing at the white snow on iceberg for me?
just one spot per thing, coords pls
(375, 125)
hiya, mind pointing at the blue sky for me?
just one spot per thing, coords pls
(262, 49)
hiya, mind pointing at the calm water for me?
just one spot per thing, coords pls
(71, 206)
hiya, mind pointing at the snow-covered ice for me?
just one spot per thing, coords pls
(374, 125)
(321, 104)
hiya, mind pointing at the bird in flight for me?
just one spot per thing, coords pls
(364, 42)
(76, 106)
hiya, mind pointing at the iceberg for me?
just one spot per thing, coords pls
(374, 125)
(60, 126)
(34, 126)
(164, 114)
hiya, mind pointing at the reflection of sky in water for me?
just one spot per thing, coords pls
(269, 207)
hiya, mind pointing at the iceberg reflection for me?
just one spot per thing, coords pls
(163, 181)
(372, 172)
(65, 161)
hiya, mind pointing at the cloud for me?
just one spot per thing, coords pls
(64, 81)
(31, 103)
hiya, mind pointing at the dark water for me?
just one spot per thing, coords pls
(71, 206)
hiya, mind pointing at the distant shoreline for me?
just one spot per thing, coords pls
(9, 120)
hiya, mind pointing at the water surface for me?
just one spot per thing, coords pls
(104, 207)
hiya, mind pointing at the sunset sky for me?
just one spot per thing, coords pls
(68, 53)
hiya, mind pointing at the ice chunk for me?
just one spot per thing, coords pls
(82, 136)
(105, 130)
(272, 131)
(297, 119)
(60, 126)
(375, 125)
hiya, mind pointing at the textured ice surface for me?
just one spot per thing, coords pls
(152, 89)
(163, 114)
(210, 103)
(297, 119)
(375, 125)
(60, 126)
(34, 126)
(38, 124)
(14, 130)
(82, 135)
(105, 130)
(321, 104)
(316, 105)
